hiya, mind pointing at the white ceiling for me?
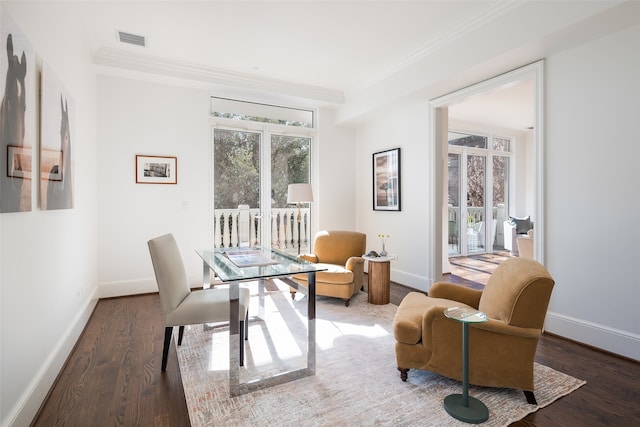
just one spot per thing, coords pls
(337, 52)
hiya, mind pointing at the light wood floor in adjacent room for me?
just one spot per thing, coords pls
(113, 376)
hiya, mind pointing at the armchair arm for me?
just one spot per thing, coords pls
(450, 291)
(502, 328)
(354, 262)
(309, 257)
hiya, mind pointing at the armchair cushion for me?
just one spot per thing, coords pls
(334, 274)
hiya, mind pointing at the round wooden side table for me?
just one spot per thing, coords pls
(379, 277)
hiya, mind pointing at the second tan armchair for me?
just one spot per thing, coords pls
(341, 253)
(501, 350)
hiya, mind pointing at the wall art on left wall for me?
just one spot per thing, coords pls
(17, 117)
(56, 148)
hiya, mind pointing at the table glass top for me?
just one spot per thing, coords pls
(246, 263)
(465, 314)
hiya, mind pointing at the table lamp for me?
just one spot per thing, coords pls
(297, 194)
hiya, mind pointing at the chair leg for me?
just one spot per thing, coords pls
(165, 349)
(293, 296)
(531, 398)
(246, 327)
(242, 338)
(403, 373)
(180, 334)
(346, 302)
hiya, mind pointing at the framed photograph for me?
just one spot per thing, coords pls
(156, 169)
(386, 180)
(19, 162)
(50, 165)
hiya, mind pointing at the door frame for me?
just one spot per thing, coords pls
(438, 150)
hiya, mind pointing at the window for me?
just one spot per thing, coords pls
(479, 170)
(253, 167)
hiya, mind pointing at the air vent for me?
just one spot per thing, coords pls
(132, 39)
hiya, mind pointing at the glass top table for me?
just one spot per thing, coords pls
(462, 406)
(241, 264)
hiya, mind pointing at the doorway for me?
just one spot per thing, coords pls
(440, 125)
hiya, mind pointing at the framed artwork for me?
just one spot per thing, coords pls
(51, 165)
(19, 161)
(386, 180)
(19, 124)
(156, 169)
(57, 141)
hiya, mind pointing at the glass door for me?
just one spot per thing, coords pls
(475, 184)
(250, 187)
(236, 188)
(290, 160)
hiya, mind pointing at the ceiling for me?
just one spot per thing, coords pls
(331, 52)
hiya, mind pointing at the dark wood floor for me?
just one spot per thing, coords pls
(113, 375)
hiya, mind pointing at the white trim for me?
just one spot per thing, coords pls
(110, 60)
(439, 105)
(614, 340)
(29, 403)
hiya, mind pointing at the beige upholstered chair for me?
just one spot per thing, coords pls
(180, 305)
(341, 253)
(525, 245)
(514, 228)
(501, 350)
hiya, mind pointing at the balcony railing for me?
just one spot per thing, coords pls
(231, 226)
(459, 225)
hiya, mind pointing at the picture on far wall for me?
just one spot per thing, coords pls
(386, 180)
(18, 117)
(156, 169)
(56, 148)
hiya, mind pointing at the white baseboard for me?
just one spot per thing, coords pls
(129, 287)
(23, 413)
(624, 343)
(137, 287)
(414, 281)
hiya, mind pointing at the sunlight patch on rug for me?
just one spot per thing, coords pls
(356, 381)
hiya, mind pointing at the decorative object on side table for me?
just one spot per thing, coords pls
(383, 238)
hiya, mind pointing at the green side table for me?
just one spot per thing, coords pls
(462, 406)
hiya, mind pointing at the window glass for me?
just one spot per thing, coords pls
(263, 113)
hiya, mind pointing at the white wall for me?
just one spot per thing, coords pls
(592, 151)
(336, 175)
(407, 128)
(592, 155)
(48, 258)
(137, 117)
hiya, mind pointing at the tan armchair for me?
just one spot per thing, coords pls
(501, 350)
(341, 253)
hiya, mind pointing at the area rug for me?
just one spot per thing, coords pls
(356, 381)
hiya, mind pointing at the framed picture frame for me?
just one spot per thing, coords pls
(19, 161)
(51, 165)
(156, 169)
(386, 180)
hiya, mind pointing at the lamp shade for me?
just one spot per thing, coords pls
(299, 193)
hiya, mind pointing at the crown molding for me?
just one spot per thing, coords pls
(455, 33)
(125, 60)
